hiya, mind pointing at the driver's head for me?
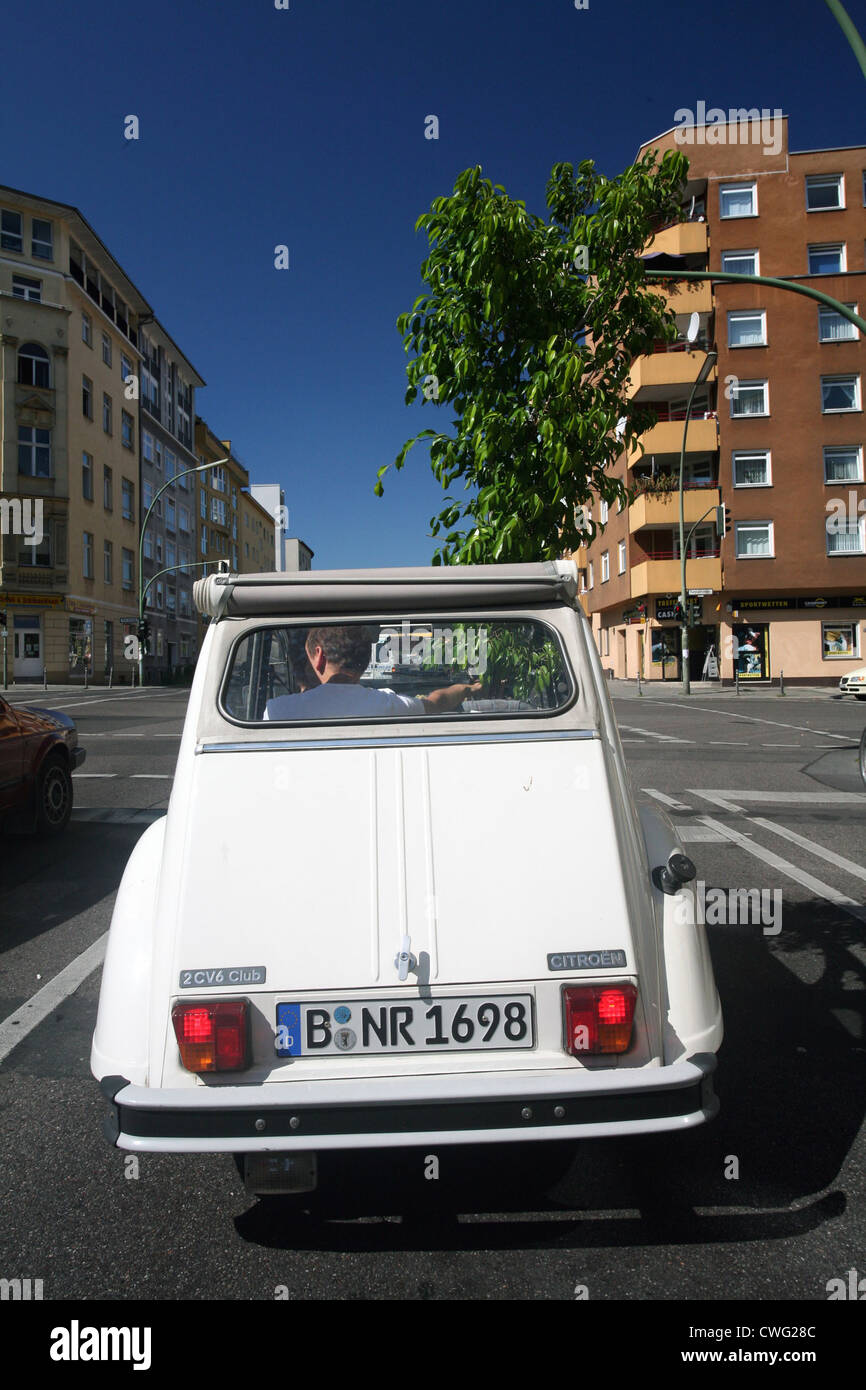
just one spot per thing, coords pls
(342, 647)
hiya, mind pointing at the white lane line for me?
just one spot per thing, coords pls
(101, 700)
(694, 833)
(650, 733)
(830, 855)
(151, 776)
(728, 799)
(755, 719)
(728, 743)
(667, 800)
(45, 1000)
(815, 885)
(94, 774)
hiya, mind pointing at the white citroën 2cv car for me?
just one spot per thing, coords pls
(402, 895)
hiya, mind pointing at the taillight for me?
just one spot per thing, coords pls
(212, 1035)
(598, 1018)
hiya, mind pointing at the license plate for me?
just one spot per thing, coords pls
(469, 1024)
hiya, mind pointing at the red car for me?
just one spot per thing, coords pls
(38, 754)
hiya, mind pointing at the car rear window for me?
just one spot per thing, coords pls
(403, 669)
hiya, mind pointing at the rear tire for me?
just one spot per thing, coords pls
(53, 797)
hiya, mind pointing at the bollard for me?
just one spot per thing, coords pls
(639, 690)
(737, 679)
(44, 677)
(110, 674)
(85, 675)
(781, 682)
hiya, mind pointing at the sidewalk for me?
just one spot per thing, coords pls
(666, 690)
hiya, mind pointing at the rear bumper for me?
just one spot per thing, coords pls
(400, 1112)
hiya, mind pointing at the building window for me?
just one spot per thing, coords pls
(34, 452)
(605, 566)
(747, 328)
(621, 553)
(42, 240)
(751, 468)
(184, 520)
(152, 449)
(87, 477)
(10, 231)
(159, 550)
(106, 413)
(33, 366)
(171, 516)
(840, 393)
(828, 259)
(843, 464)
(750, 398)
(824, 191)
(106, 349)
(87, 397)
(738, 200)
(602, 513)
(218, 510)
(202, 505)
(204, 540)
(87, 555)
(125, 367)
(36, 556)
(740, 262)
(107, 562)
(107, 491)
(86, 329)
(218, 479)
(170, 554)
(128, 495)
(840, 641)
(845, 537)
(754, 539)
(148, 545)
(833, 327)
(127, 430)
(25, 288)
(160, 600)
(170, 464)
(591, 574)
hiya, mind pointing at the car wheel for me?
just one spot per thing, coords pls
(53, 797)
(860, 697)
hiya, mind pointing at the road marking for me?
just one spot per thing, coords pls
(727, 743)
(667, 800)
(830, 855)
(151, 776)
(697, 833)
(728, 800)
(45, 1000)
(755, 719)
(650, 733)
(102, 700)
(94, 774)
(815, 885)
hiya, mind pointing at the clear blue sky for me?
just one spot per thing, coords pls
(306, 127)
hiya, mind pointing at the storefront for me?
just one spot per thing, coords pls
(811, 639)
(29, 622)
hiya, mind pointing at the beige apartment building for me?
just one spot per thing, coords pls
(776, 433)
(69, 445)
(232, 526)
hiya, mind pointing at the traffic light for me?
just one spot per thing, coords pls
(723, 521)
(679, 612)
(2, 617)
(143, 636)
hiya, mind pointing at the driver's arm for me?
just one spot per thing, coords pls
(449, 697)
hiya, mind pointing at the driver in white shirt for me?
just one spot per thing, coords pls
(339, 655)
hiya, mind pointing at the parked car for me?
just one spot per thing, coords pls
(38, 753)
(854, 683)
(374, 920)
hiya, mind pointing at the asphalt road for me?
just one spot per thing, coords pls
(764, 1203)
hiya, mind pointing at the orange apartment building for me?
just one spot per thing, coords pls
(776, 433)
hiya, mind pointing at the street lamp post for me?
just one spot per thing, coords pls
(709, 363)
(143, 588)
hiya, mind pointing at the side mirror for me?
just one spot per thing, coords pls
(671, 876)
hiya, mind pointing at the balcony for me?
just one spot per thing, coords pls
(665, 511)
(683, 239)
(667, 437)
(689, 296)
(664, 372)
(663, 576)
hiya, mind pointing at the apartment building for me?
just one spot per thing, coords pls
(69, 456)
(232, 526)
(272, 497)
(776, 431)
(168, 383)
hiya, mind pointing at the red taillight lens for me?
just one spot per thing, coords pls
(212, 1036)
(598, 1018)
